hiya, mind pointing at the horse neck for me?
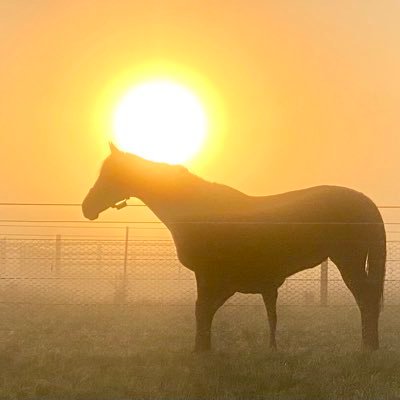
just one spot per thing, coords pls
(174, 194)
(176, 203)
(201, 202)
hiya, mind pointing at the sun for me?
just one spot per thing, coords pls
(160, 120)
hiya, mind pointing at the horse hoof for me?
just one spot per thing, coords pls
(369, 347)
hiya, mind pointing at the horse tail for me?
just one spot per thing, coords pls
(376, 263)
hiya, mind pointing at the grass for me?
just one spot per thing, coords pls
(145, 353)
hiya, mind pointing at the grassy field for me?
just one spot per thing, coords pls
(145, 353)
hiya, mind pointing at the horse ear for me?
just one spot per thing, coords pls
(114, 149)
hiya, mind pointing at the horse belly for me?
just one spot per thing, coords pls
(253, 252)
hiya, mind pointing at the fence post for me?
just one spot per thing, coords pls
(57, 260)
(324, 284)
(99, 256)
(22, 256)
(3, 253)
(125, 273)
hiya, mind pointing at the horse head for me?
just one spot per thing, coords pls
(110, 188)
(125, 175)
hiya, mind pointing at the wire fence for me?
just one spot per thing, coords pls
(73, 271)
(83, 266)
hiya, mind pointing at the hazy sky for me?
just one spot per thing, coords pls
(311, 89)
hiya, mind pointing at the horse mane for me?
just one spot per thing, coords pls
(183, 178)
(179, 178)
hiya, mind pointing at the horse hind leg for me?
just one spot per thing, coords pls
(352, 269)
(270, 298)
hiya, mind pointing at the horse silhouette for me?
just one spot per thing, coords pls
(239, 243)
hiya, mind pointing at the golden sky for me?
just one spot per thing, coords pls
(310, 89)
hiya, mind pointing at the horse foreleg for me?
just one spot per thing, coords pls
(204, 317)
(209, 300)
(270, 298)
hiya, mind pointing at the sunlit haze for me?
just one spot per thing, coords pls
(310, 93)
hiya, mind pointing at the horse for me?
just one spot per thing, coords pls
(234, 242)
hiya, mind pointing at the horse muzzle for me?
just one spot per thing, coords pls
(92, 217)
(89, 214)
(88, 208)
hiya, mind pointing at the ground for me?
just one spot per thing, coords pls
(144, 352)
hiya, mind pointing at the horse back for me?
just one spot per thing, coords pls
(286, 232)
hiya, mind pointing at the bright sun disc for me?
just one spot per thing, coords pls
(160, 120)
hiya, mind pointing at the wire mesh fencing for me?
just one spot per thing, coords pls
(146, 271)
